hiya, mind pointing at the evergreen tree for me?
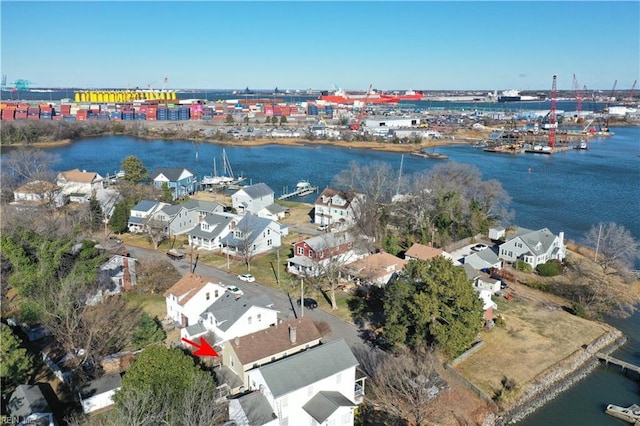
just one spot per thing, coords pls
(95, 214)
(134, 170)
(15, 363)
(120, 217)
(433, 303)
(149, 331)
(167, 195)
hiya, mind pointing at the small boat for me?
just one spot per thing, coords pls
(581, 145)
(303, 184)
(630, 414)
(432, 155)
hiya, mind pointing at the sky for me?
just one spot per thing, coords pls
(392, 45)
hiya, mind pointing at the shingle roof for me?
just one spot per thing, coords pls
(482, 259)
(254, 225)
(206, 206)
(104, 384)
(531, 238)
(258, 190)
(228, 309)
(190, 285)
(377, 265)
(26, 400)
(325, 403)
(330, 193)
(276, 208)
(171, 173)
(320, 362)
(76, 175)
(37, 186)
(422, 252)
(220, 222)
(144, 205)
(273, 340)
(257, 409)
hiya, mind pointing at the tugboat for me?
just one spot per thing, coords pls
(581, 145)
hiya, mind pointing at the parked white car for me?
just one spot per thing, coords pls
(235, 290)
(246, 277)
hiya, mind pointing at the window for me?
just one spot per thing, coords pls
(208, 295)
(259, 317)
(268, 231)
(216, 293)
(269, 242)
(300, 251)
(311, 253)
(249, 320)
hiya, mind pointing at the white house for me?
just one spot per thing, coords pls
(252, 236)
(39, 192)
(533, 247)
(190, 297)
(253, 198)
(335, 207)
(314, 387)
(273, 212)
(98, 394)
(231, 316)
(78, 185)
(481, 281)
(209, 232)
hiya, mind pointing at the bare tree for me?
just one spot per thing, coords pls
(156, 230)
(406, 386)
(29, 164)
(615, 247)
(156, 276)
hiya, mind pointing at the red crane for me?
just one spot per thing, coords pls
(552, 115)
(631, 93)
(576, 89)
(363, 111)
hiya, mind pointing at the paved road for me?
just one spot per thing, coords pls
(286, 304)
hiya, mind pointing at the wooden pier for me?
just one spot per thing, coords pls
(299, 192)
(624, 365)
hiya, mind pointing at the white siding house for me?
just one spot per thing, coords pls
(98, 394)
(533, 247)
(335, 207)
(190, 297)
(253, 198)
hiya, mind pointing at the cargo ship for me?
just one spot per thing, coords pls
(515, 96)
(342, 97)
(409, 95)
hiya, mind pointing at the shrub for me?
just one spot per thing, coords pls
(550, 269)
(578, 310)
(539, 286)
(523, 266)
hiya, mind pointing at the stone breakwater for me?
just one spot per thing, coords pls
(561, 378)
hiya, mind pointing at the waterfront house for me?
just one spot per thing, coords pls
(273, 212)
(141, 213)
(252, 198)
(209, 232)
(483, 260)
(98, 394)
(423, 252)
(244, 353)
(231, 316)
(377, 269)
(336, 208)
(316, 386)
(188, 298)
(180, 218)
(31, 405)
(37, 193)
(180, 181)
(116, 275)
(78, 185)
(252, 236)
(312, 255)
(533, 247)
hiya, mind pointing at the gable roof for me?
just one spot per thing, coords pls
(538, 242)
(219, 221)
(422, 252)
(330, 193)
(76, 175)
(273, 340)
(254, 225)
(171, 173)
(27, 400)
(258, 190)
(377, 265)
(145, 205)
(188, 285)
(99, 386)
(228, 308)
(329, 240)
(257, 409)
(276, 209)
(482, 259)
(295, 372)
(202, 205)
(37, 187)
(325, 403)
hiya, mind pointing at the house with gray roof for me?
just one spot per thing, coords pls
(483, 259)
(141, 213)
(211, 229)
(180, 181)
(29, 405)
(252, 409)
(98, 394)
(317, 386)
(116, 275)
(273, 212)
(252, 198)
(533, 247)
(231, 316)
(252, 236)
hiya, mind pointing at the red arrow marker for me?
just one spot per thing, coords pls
(204, 348)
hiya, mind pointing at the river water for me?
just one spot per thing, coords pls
(569, 192)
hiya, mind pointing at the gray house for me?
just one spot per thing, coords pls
(533, 247)
(29, 404)
(180, 181)
(254, 235)
(253, 198)
(210, 231)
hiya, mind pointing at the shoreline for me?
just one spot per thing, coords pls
(557, 381)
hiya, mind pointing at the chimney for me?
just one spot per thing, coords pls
(561, 238)
(126, 275)
(237, 341)
(292, 334)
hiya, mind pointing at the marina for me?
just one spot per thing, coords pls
(303, 188)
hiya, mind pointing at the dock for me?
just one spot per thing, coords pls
(301, 191)
(623, 364)
(629, 414)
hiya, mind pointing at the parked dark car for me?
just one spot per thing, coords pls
(309, 303)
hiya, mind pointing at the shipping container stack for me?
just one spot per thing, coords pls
(183, 113)
(81, 114)
(195, 112)
(33, 113)
(65, 110)
(312, 109)
(163, 113)
(207, 113)
(8, 111)
(128, 112)
(46, 112)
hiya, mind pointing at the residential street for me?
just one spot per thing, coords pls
(284, 303)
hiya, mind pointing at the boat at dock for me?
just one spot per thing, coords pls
(226, 178)
(303, 188)
(630, 414)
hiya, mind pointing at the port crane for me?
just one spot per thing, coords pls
(579, 95)
(629, 100)
(363, 111)
(552, 114)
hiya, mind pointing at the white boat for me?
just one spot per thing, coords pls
(629, 414)
(582, 145)
(226, 178)
(303, 184)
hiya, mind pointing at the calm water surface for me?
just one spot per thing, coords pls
(567, 192)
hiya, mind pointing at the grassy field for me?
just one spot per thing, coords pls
(538, 334)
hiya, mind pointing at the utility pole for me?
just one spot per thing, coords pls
(301, 297)
(278, 260)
